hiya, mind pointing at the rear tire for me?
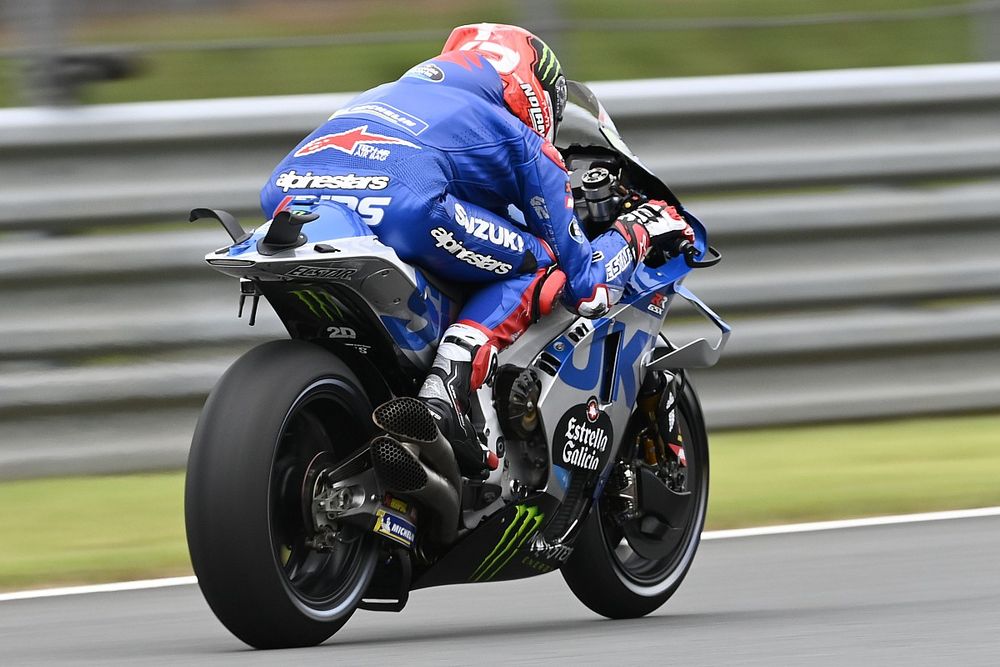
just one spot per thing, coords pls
(275, 409)
(610, 577)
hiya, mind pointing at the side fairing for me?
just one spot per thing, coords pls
(591, 370)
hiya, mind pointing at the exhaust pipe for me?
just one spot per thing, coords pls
(408, 420)
(401, 471)
(414, 435)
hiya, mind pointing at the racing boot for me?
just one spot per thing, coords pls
(447, 394)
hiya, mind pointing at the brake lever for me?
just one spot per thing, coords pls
(690, 252)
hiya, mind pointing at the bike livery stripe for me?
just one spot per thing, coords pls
(590, 376)
(525, 523)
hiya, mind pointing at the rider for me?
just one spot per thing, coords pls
(433, 162)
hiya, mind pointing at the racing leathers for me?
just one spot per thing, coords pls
(434, 163)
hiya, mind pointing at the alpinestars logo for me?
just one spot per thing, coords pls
(357, 141)
(526, 521)
(541, 210)
(290, 180)
(446, 240)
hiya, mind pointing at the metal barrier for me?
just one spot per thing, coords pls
(857, 211)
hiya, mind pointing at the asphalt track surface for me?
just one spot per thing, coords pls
(908, 594)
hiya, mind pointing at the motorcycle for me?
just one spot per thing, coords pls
(318, 485)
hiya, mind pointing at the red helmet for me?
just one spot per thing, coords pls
(534, 87)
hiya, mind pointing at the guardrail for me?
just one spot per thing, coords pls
(857, 211)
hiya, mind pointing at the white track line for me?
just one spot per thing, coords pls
(98, 588)
(850, 523)
(708, 535)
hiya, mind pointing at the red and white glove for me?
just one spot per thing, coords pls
(595, 305)
(663, 223)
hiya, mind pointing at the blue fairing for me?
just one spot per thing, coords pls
(648, 281)
(432, 315)
(585, 370)
(588, 377)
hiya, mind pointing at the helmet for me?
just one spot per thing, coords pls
(534, 87)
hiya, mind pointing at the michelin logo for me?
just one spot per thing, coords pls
(394, 527)
(387, 113)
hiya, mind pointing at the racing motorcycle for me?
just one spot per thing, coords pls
(318, 485)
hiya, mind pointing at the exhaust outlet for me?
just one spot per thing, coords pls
(408, 420)
(398, 467)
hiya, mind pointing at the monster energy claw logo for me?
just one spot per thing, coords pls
(548, 73)
(524, 524)
(320, 304)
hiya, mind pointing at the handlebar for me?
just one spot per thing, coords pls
(606, 199)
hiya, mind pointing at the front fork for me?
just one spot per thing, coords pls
(658, 444)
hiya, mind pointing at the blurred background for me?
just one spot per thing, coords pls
(98, 51)
(844, 154)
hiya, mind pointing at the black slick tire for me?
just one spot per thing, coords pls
(597, 576)
(232, 511)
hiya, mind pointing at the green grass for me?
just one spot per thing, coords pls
(585, 56)
(828, 472)
(129, 527)
(91, 529)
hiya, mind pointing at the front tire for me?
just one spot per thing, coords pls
(277, 407)
(607, 573)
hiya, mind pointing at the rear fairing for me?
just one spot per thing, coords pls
(343, 288)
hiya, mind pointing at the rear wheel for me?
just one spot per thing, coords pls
(628, 567)
(247, 500)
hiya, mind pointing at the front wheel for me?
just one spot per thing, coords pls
(277, 408)
(626, 566)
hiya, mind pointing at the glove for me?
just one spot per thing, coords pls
(666, 227)
(596, 305)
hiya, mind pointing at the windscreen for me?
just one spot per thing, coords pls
(586, 124)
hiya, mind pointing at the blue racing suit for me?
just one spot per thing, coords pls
(432, 163)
